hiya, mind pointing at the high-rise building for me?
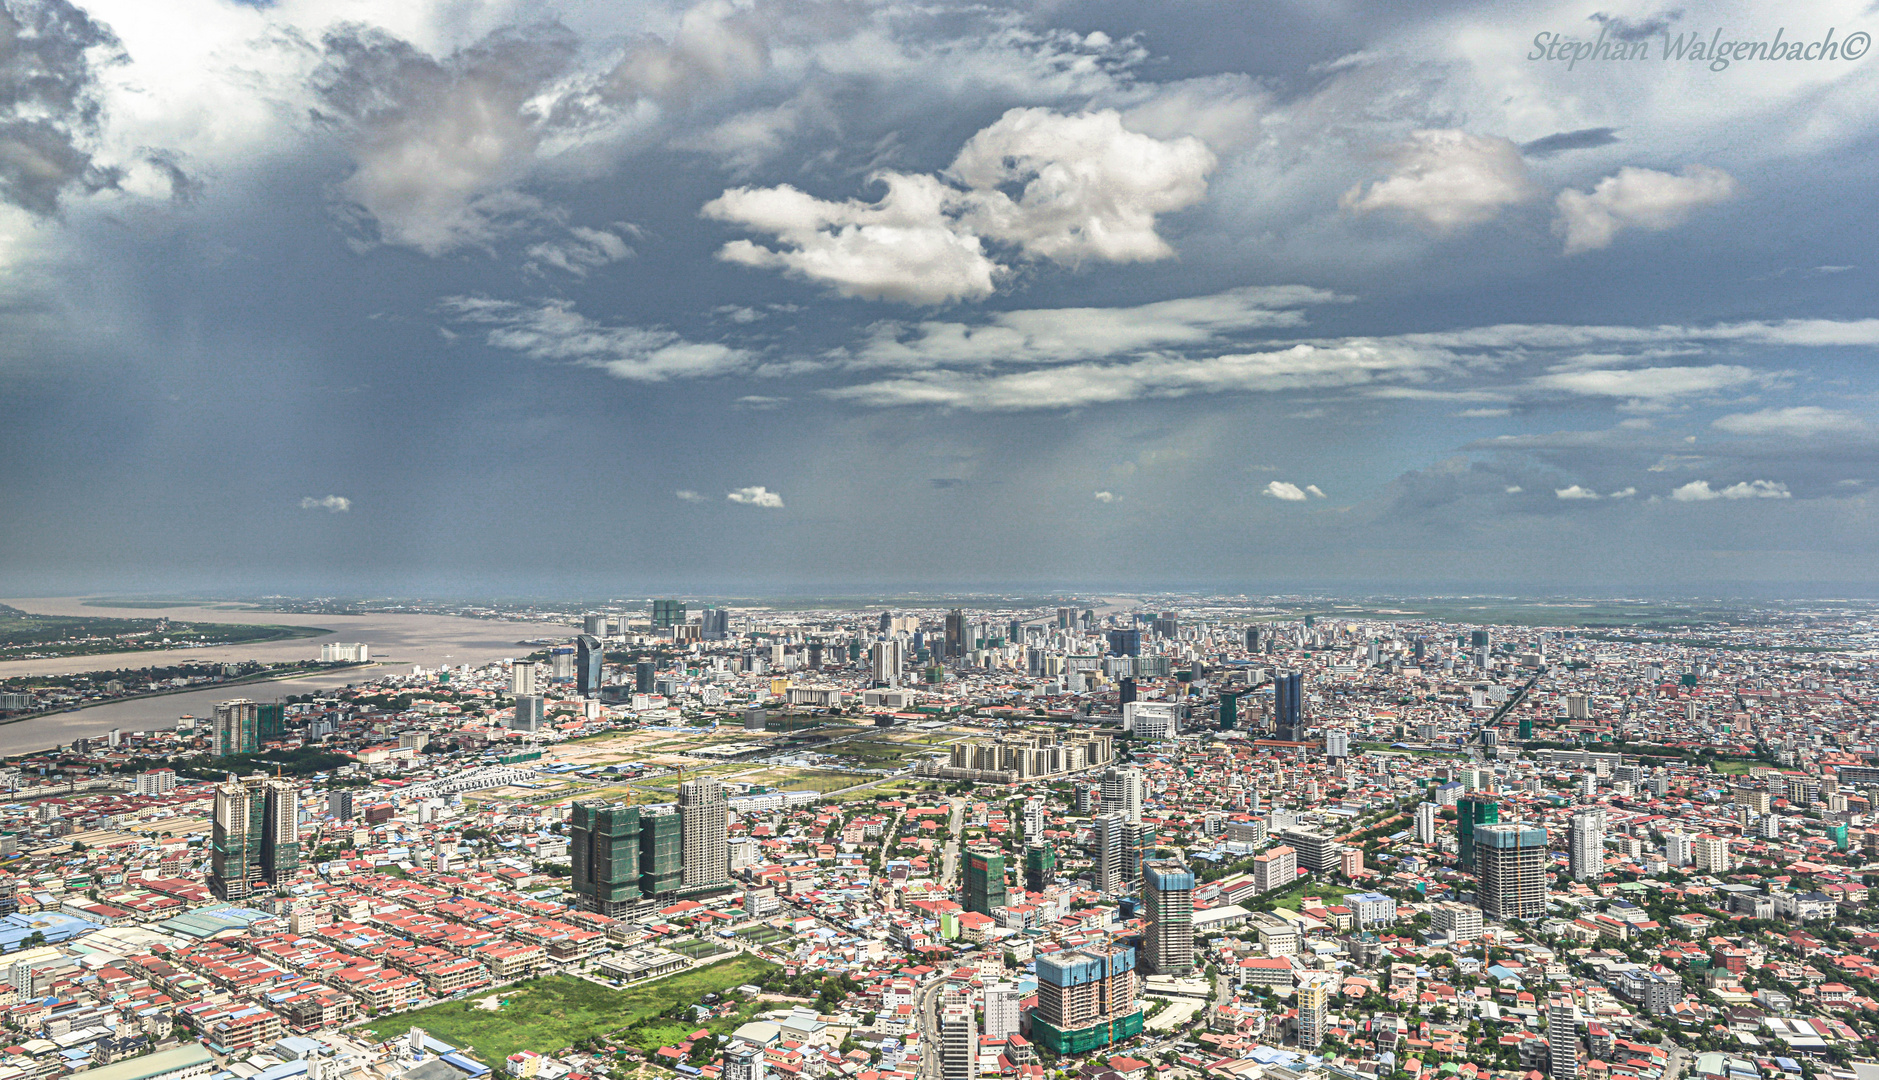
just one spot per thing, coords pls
(235, 851)
(1426, 814)
(1040, 867)
(270, 722)
(1230, 710)
(1314, 1003)
(1126, 642)
(235, 728)
(1138, 843)
(704, 818)
(1472, 812)
(985, 882)
(1168, 903)
(1288, 707)
(1252, 639)
(561, 662)
(1122, 793)
(1034, 819)
(955, 634)
(1316, 850)
(594, 625)
(339, 804)
(1085, 999)
(667, 614)
(744, 1061)
(661, 850)
(528, 713)
(1510, 870)
(280, 836)
(604, 848)
(885, 660)
(1585, 845)
(1107, 829)
(1710, 853)
(1461, 921)
(1275, 868)
(1678, 849)
(645, 677)
(715, 624)
(587, 659)
(1562, 1038)
(1337, 744)
(1003, 1010)
(959, 1038)
(522, 678)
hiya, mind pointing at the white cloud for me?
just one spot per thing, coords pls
(332, 504)
(1798, 420)
(1651, 384)
(1700, 491)
(1312, 489)
(1449, 178)
(1106, 497)
(584, 250)
(756, 496)
(1636, 198)
(1279, 489)
(553, 330)
(1575, 492)
(1090, 189)
(1626, 493)
(1513, 489)
(686, 495)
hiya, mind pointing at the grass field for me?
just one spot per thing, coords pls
(1735, 768)
(698, 948)
(762, 935)
(1290, 899)
(549, 1015)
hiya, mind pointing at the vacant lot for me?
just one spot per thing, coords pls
(549, 1015)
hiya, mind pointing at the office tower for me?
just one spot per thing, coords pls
(1138, 843)
(1288, 707)
(594, 625)
(270, 723)
(235, 852)
(743, 1061)
(1420, 649)
(1337, 744)
(1229, 711)
(814, 661)
(1585, 843)
(1085, 999)
(235, 729)
(1478, 639)
(1710, 853)
(1252, 639)
(1107, 830)
(1510, 870)
(645, 677)
(667, 614)
(955, 634)
(1040, 867)
(1124, 642)
(1034, 819)
(604, 847)
(1002, 1010)
(1122, 793)
(985, 882)
(1677, 849)
(1014, 633)
(885, 660)
(588, 653)
(1126, 692)
(1562, 1038)
(1275, 868)
(1471, 812)
(528, 713)
(561, 662)
(522, 677)
(1314, 1001)
(704, 819)
(1168, 903)
(959, 1038)
(715, 624)
(280, 836)
(1166, 625)
(339, 804)
(1426, 814)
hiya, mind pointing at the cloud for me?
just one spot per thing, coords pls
(1560, 142)
(1575, 492)
(1652, 385)
(553, 330)
(686, 495)
(756, 496)
(1624, 493)
(1636, 198)
(50, 55)
(332, 504)
(438, 145)
(1449, 178)
(583, 250)
(1043, 184)
(1798, 420)
(1106, 497)
(1700, 491)
(1512, 489)
(1279, 489)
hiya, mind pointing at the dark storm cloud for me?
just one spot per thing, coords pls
(1559, 143)
(49, 102)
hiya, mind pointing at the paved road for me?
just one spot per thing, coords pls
(954, 829)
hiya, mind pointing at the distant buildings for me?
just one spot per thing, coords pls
(255, 837)
(1288, 707)
(704, 819)
(235, 728)
(352, 652)
(588, 653)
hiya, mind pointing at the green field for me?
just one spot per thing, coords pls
(1735, 768)
(22, 633)
(698, 948)
(762, 935)
(1331, 894)
(551, 1014)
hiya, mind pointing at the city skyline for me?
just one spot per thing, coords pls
(328, 296)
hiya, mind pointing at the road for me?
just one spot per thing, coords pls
(954, 829)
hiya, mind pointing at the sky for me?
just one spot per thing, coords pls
(469, 297)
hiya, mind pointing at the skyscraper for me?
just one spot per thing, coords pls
(667, 614)
(715, 624)
(522, 677)
(1229, 711)
(1252, 639)
(959, 1038)
(704, 821)
(236, 727)
(1510, 870)
(1562, 1038)
(1288, 707)
(587, 658)
(1168, 902)
(1122, 793)
(1138, 843)
(1426, 814)
(1337, 744)
(1085, 999)
(270, 722)
(1472, 812)
(528, 713)
(645, 677)
(1125, 642)
(1034, 819)
(885, 660)
(280, 836)
(985, 882)
(1003, 1010)
(235, 851)
(604, 847)
(1107, 830)
(1040, 867)
(1586, 845)
(1314, 1001)
(955, 634)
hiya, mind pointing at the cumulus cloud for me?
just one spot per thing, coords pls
(1575, 492)
(1636, 198)
(1700, 491)
(1106, 497)
(756, 496)
(1279, 489)
(49, 102)
(438, 144)
(1448, 178)
(1797, 420)
(1624, 493)
(332, 504)
(1043, 184)
(553, 330)
(686, 495)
